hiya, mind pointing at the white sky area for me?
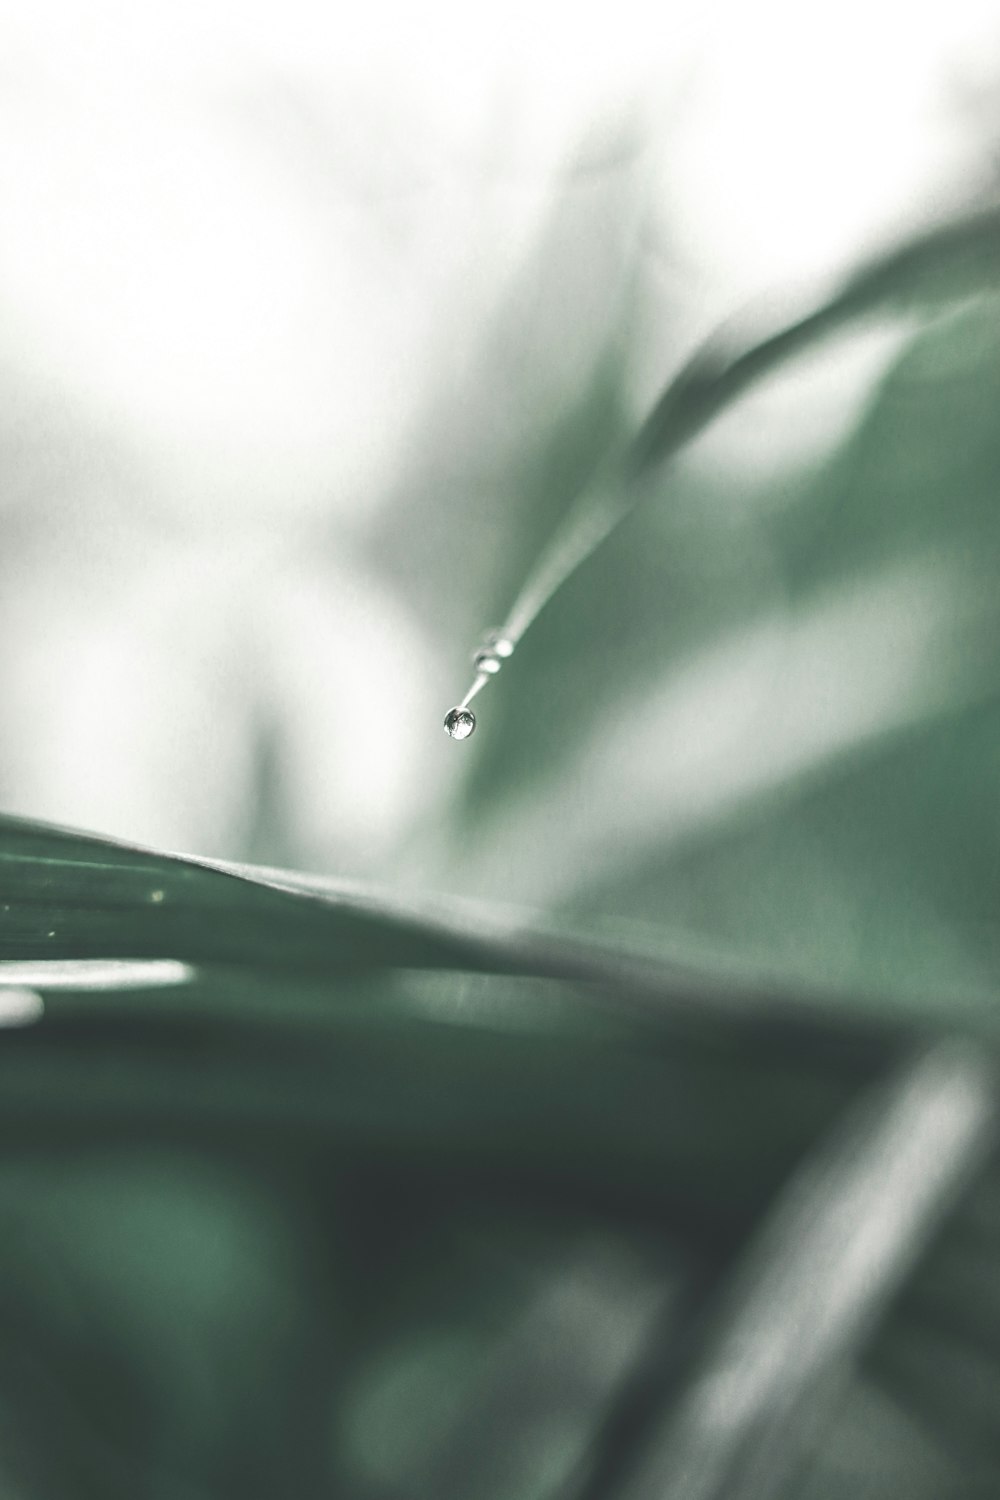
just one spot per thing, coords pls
(239, 243)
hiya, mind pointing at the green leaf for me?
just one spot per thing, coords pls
(782, 754)
(314, 1189)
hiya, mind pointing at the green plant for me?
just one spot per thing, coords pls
(683, 1188)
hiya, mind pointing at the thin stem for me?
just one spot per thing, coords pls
(604, 504)
(482, 679)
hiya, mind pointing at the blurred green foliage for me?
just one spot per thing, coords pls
(402, 1203)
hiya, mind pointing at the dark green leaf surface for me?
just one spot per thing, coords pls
(71, 896)
(306, 1032)
(612, 1122)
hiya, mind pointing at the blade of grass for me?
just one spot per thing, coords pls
(813, 1282)
(608, 1117)
(946, 263)
(66, 896)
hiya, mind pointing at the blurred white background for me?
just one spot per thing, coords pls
(256, 266)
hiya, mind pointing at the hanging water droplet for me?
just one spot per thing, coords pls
(459, 723)
(487, 660)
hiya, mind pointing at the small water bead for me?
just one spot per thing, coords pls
(459, 723)
(498, 645)
(487, 660)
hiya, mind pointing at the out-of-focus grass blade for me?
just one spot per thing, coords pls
(939, 1352)
(579, 1107)
(948, 262)
(870, 862)
(828, 1258)
(457, 1050)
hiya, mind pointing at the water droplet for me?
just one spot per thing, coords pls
(459, 723)
(487, 660)
(498, 645)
